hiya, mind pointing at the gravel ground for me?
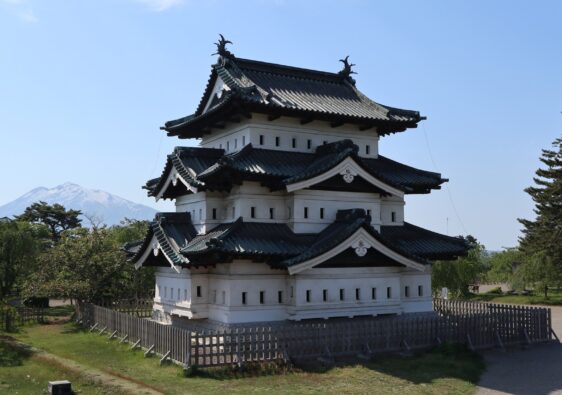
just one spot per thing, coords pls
(533, 371)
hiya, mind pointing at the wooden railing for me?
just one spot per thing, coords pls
(479, 325)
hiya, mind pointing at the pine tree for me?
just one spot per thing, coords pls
(542, 238)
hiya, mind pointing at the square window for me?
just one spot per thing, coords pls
(280, 297)
(243, 297)
(308, 295)
(277, 141)
(342, 294)
(261, 139)
(253, 212)
(294, 142)
(325, 295)
(198, 291)
(262, 297)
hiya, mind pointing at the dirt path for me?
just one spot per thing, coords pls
(122, 384)
(534, 371)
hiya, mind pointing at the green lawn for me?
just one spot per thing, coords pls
(27, 373)
(554, 298)
(447, 371)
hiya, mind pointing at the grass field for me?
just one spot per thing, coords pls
(554, 298)
(445, 371)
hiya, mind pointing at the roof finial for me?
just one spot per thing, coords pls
(221, 49)
(346, 71)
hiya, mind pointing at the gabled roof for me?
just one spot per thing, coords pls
(274, 89)
(277, 169)
(279, 246)
(170, 231)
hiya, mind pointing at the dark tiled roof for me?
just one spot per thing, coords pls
(188, 162)
(172, 230)
(279, 246)
(283, 90)
(279, 168)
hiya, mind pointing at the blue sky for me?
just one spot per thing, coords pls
(85, 86)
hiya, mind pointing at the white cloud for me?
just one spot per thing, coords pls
(21, 9)
(157, 5)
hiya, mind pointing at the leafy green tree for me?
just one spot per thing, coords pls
(20, 242)
(542, 237)
(88, 265)
(505, 265)
(457, 275)
(55, 217)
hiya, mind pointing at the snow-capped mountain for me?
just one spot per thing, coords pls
(105, 207)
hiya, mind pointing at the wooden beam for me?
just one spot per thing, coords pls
(234, 120)
(336, 124)
(219, 125)
(306, 120)
(366, 127)
(273, 117)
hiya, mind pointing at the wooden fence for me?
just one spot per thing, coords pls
(10, 316)
(479, 325)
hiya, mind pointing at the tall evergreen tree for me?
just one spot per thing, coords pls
(56, 217)
(542, 237)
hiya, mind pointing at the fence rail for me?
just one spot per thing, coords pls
(479, 325)
(10, 316)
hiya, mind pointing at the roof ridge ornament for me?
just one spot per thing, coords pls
(222, 51)
(346, 71)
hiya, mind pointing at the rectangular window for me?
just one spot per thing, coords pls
(277, 141)
(200, 214)
(367, 149)
(325, 295)
(185, 294)
(357, 294)
(342, 294)
(178, 298)
(420, 290)
(261, 139)
(289, 211)
(279, 296)
(322, 213)
(407, 291)
(253, 212)
(324, 142)
(243, 140)
(220, 145)
(292, 292)
(235, 143)
(309, 144)
(214, 213)
(262, 297)
(223, 298)
(308, 295)
(369, 213)
(243, 297)
(294, 142)
(306, 212)
(373, 293)
(228, 145)
(215, 296)
(388, 292)
(165, 292)
(172, 293)
(233, 212)
(271, 213)
(393, 216)
(198, 291)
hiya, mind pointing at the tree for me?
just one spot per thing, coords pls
(542, 237)
(505, 267)
(457, 275)
(88, 265)
(55, 217)
(20, 242)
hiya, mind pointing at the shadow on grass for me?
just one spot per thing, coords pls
(13, 353)
(446, 361)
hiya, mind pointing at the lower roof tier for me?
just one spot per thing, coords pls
(199, 169)
(349, 241)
